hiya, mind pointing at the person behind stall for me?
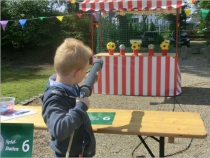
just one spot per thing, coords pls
(63, 111)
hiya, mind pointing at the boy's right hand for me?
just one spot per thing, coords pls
(84, 100)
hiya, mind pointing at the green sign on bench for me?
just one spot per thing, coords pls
(16, 140)
(101, 118)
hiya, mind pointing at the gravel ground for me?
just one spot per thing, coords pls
(195, 97)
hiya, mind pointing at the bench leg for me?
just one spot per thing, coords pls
(146, 146)
(162, 147)
(161, 142)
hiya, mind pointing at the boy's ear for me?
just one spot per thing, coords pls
(77, 73)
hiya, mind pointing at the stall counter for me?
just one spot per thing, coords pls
(140, 75)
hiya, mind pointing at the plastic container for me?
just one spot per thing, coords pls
(7, 105)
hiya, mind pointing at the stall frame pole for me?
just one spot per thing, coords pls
(177, 27)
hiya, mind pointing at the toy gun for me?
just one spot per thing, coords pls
(86, 88)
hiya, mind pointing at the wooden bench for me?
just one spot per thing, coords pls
(137, 122)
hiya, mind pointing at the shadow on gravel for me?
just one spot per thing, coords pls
(191, 96)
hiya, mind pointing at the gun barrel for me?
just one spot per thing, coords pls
(86, 88)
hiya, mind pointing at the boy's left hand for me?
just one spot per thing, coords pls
(84, 100)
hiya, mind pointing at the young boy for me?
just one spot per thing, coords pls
(63, 112)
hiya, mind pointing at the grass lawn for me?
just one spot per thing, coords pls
(25, 74)
(22, 82)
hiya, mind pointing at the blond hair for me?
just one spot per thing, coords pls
(71, 55)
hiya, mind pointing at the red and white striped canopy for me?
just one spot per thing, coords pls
(108, 5)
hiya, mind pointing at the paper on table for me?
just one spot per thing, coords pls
(17, 113)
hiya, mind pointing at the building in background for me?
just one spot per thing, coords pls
(160, 24)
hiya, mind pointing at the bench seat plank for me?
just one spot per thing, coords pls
(136, 122)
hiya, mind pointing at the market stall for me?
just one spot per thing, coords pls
(136, 71)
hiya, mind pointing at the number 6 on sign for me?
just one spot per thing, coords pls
(17, 140)
(106, 118)
(103, 118)
(25, 147)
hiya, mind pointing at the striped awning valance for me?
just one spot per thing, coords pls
(108, 5)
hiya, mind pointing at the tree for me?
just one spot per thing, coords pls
(182, 19)
(36, 32)
(152, 27)
(145, 25)
(171, 18)
(124, 29)
(204, 25)
(48, 32)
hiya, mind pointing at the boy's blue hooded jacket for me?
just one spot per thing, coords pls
(63, 116)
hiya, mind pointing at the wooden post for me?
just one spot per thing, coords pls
(170, 139)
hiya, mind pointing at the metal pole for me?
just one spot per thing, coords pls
(91, 27)
(100, 32)
(177, 18)
(162, 146)
(146, 146)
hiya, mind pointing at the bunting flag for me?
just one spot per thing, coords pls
(204, 13)
(192, 1)
(96, 16)
(79, 15)
(96, 24)
(41, 18)
(72, 1)
(128, 16)
(187, 12)
(22, 22)
(4, 24)
(59, 18)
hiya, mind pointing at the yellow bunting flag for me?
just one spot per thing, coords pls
(187, 12)
(192, 1)
(59, 18)
(72, 1)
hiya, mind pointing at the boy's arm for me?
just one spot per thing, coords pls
(62, 123)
